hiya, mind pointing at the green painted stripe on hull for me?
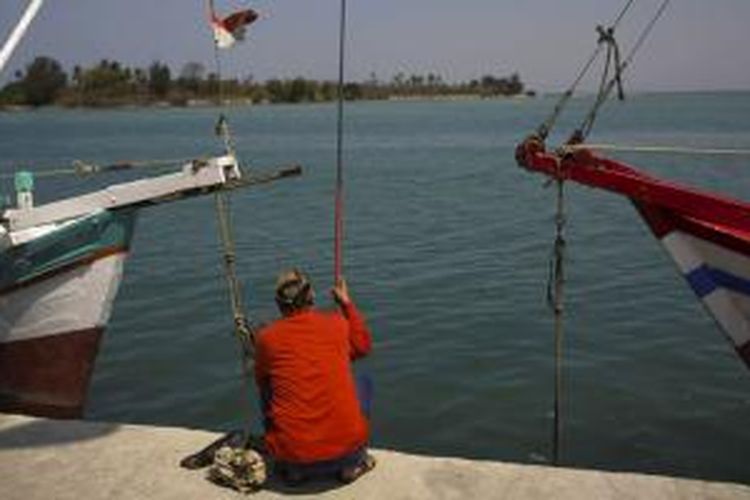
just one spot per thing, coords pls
(66, 246)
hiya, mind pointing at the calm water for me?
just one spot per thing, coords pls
(446, 252)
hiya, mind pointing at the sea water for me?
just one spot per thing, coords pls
(446, 252)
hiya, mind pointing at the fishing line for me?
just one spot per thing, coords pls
(339, 195)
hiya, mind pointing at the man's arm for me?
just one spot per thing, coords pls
(360, 339)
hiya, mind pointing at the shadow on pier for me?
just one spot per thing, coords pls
(41, 433)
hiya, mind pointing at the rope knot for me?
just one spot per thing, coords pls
(606, 35)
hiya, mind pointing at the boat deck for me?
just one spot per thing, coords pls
(46, 459)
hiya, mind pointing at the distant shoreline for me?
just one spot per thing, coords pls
(206, 103)
(112, 84)
(245, 102)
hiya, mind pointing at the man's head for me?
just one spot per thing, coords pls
(293, 291)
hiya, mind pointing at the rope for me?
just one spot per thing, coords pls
(546, 127)
(582, 132)
(556, 278)
(659, 149)
(647, 31)
(622, 13)
(555, 296)
(339, 196)
(612, 59)
(607, 37)
(224, 217)
(243, 329)
(83, 169)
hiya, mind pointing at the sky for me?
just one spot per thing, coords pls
(697, 45)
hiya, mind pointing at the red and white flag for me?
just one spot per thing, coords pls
(232, 28)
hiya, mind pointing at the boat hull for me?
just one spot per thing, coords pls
(48, 376)
(715, 262)
(53, 312)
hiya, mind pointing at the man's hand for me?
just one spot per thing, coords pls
(341, 293)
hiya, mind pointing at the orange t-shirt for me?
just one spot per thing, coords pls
(305, 361)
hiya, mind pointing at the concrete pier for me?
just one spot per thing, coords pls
(48, 459)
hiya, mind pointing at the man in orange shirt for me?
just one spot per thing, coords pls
(315, 424)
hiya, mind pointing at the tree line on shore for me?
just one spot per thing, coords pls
(110, 83)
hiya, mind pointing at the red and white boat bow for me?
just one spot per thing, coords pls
(707, 236)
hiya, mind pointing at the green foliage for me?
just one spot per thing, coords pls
(109, 83)
(191, 76)
(13, 94)
(159, 79)
(353, 92)
(43, 81)
(102, 84)
(294, 91)
(491, 85)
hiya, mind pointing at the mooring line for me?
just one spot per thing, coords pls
(684, 150)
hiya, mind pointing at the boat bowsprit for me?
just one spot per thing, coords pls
(706, 235)
(61, 264)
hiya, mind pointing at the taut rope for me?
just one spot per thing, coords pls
(339, 196)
